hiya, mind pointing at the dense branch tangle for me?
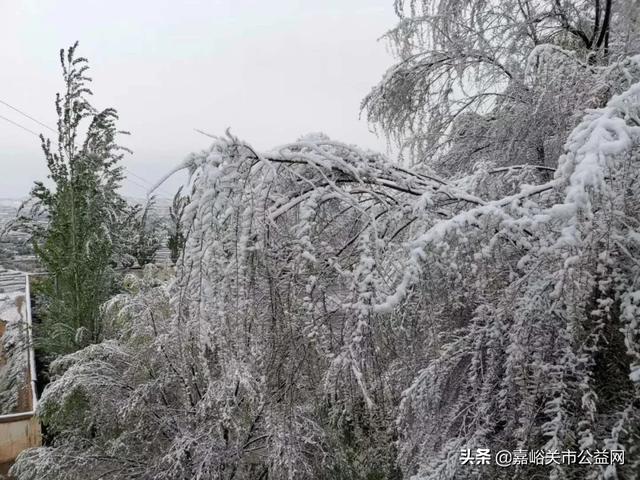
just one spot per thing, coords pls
(279, 278)
(319, 269)
(468, 85)
(337, 173)
(338, 316)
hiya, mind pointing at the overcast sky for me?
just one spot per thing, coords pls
(270, 70)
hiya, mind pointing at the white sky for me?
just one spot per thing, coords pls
(270, 70)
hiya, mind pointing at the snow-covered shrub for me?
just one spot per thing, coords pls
(105, 405)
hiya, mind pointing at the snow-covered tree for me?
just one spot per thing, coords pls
(175, 234)
(501, 81)
(142, 234)
(338, 315)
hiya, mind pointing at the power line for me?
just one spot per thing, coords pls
(53, 130)
(138, 177)
(27, 115)
(149, 184)
(143, 187)
(139, 185)
(20, 126)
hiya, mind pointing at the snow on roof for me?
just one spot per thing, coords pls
(12, 286)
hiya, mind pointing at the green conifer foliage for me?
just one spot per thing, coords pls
(78, 243)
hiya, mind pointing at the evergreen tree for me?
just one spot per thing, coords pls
(142, 236)
(176, 239)
(77, 244)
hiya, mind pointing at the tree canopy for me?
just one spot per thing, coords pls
(336, 314)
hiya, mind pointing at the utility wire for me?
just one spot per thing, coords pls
(34, 133)
(139, 177)
(143, 187)
(146, 188)
(139, 185)
(20, 126)
(37, 135)
(27, 115)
